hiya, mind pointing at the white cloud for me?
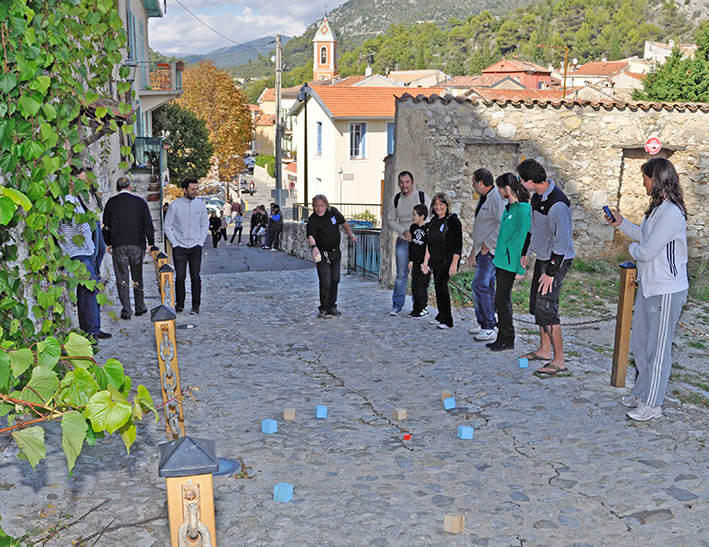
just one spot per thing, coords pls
(179, 32)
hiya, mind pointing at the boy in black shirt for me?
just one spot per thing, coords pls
(417, 253)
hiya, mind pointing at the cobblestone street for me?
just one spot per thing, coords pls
(553, 462)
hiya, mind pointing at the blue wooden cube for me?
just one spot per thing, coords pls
(449, 403)
(269, 426)
(523, 362)
(283, 492)
(320, 411)
(465, 432)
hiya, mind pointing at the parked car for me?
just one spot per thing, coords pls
(214, 205)
(357, 223)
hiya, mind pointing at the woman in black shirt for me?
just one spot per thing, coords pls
(324, 238)
(443, 249)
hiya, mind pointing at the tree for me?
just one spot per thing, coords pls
(211, 95)
(58, 62)
(190, 149)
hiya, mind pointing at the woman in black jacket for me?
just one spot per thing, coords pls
(443, 249)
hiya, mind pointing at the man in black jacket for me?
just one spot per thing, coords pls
(127, 225)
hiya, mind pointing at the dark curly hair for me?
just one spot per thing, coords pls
(665, 184)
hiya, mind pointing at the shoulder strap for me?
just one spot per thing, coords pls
(422, 197)
(397, 197)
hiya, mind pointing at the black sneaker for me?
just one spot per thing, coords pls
(178, 309)
(501, 347)
(103, 335)
(126, 316)
(321, 314)
(194, 311)
(139, 313)
(420, 314)
(335, 312)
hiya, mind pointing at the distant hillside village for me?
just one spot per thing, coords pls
(350, 124)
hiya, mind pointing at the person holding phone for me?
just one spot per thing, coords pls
(660, 250)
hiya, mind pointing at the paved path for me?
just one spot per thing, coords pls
(553, 462)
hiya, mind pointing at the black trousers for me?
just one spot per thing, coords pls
(183, 257)
(216, 236)
(503, 306)
(329, 277)
(441, 276)
(237, 229)
(419, 287)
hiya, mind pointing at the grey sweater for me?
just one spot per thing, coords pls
(399, 217)
(486, 225)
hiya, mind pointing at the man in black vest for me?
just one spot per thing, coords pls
(127, 225)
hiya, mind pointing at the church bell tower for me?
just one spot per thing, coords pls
(325, 52)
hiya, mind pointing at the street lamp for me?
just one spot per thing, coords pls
(303, 97)
(132, 67)
(566, 59)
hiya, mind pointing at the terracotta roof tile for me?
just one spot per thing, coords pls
(486, 80)
(509, 65)
(609, 104)
(265, 119)
(291, 167)
(599, 68)
(518, 94)
(268, 94)
(366, 102)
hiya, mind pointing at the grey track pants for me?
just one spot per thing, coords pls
(654, 322)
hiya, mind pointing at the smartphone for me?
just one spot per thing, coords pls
(608, 213)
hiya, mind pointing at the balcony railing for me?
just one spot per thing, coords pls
(363, 256)
(163, 76)
(371, 212)
(147, 152)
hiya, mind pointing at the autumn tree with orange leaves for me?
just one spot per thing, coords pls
(211, 94)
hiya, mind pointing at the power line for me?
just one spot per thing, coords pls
(220, 34)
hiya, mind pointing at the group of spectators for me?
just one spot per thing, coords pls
(508, 230)
(266, 228)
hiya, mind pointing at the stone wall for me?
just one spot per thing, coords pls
(294, 241)
(593, 151)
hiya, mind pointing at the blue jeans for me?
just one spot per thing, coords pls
(398, 299)
(483, 287)
(88, 308)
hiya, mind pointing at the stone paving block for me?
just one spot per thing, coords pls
(399, 413)
(289, 414)
(269, 426)
(445, 395)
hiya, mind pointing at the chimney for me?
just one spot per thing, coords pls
(368, 71)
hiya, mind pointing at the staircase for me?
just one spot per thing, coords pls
(141, 186)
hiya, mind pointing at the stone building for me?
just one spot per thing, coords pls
(593, 150)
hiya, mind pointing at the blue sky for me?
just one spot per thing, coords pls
(178, 32)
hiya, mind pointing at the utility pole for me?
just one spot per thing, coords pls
(279, 125)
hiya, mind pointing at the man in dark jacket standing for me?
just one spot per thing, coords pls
(127, 225)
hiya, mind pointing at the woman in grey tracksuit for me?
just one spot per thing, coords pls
(661, 254)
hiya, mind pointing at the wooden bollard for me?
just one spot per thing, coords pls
(187, 465)
(623, 322)
(167, 285)
(164, 320)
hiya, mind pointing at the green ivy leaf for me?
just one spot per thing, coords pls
(124, 108)
(7, 210)
(49, 112)
(78, 346)
(28, 106)
(51, 353)
(128, 433)
(34, 150)
(101, 111)
(108, 410)
(8, 82)
(145, 401)
(41, 387)
(18, 197)
(110, 374)
(27, 68)
(30, 441)
(4, 371)
(73, 434)
(78, 387)
(41, 83)
(91, 97)
(20, 361)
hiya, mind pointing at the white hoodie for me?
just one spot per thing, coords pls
(661, 254)
(187, 223)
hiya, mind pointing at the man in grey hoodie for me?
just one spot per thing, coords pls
(186, 226)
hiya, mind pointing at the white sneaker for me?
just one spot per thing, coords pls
(395, 311)
(486, 334)
(645, 412)
(631, 401)
(474, 330)
(443, 326)
(434, 322)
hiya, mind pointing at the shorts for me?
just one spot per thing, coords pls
(545, 307)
